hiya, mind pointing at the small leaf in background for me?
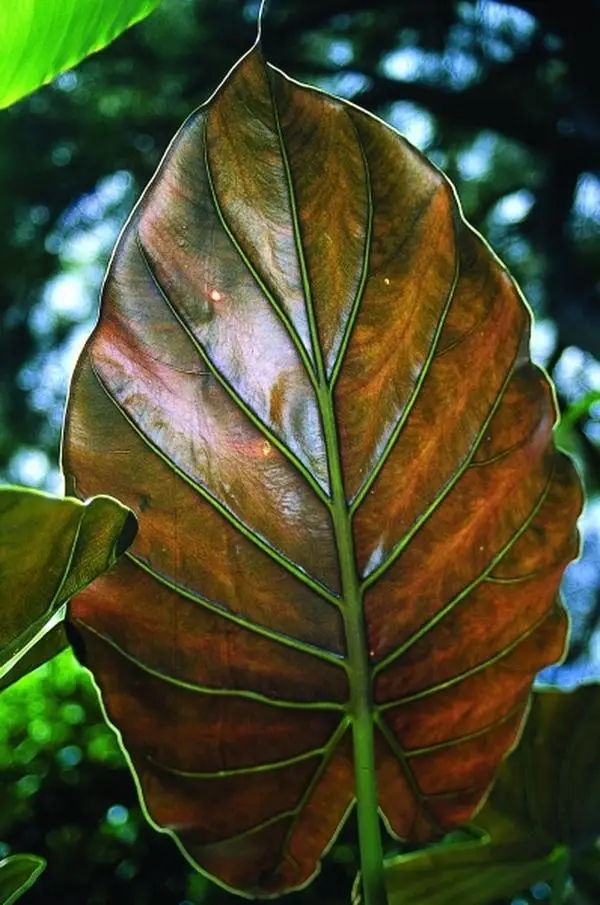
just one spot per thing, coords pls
(50, 548)
(541, 821)
(17, 874)
(548, 790)
(311, 381)
(474, 873)
(41, 38)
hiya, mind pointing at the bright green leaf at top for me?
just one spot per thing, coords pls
(50, 548)
(17, 874)
(39, 39)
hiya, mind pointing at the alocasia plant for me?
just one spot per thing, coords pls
(310, 380)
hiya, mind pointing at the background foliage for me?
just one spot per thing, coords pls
(501, 95)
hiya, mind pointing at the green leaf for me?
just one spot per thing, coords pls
(17, 874)
(50, 548)
(48, 646)
(548, 790)
(474, 873)
(41, 38)
(563, 431)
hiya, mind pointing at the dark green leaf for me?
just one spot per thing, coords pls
(549, 788)
(17, 874)
(50, 548)
(48, 646)
(474, 873)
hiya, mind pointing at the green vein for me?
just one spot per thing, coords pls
(481, 463)
(455, 680)
(238, 771)
(260, 425)
(208, 689)
(404, 541)
(441, 614)
(364, 270)
(360, 706)
(450, 743)
(221, 610)
(308, 301)
(227, 514)
(327, 755)
(251, 830)
(279, 311)
(391, 441)
(400, 756)
(290, 812)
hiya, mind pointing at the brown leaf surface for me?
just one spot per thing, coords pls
(310, 380)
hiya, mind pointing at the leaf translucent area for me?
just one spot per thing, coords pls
(472, 873)
(310, 380)
(39, 39)
(50, 548)
(548, 790)
(17, 874)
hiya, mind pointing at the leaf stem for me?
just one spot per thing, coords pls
(359, 672)
(361, 704)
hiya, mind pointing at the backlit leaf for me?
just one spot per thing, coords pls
(41, 38)
(311, 381)
(17, 874)
(50, 548)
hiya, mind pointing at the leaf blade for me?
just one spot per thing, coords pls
(17, 874)
(420, 385)
(39, 40)
(49, 549)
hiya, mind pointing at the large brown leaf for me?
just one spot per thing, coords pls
(310, 380)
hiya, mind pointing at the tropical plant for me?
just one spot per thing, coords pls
(310, 382)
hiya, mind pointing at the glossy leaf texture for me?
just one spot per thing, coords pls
(39, 39)
(50, 548)
(310, 380)
(17, 874)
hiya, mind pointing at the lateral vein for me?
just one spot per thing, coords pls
(221, 610)
(373, 576)
(279, 311)
(280, 558)
(258, 423)
(483, 576)
(207, 689)
(391, 441)
(348, 329)
(455, 680)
